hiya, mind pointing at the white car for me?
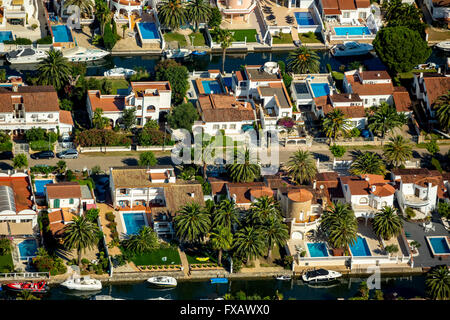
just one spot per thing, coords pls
(68, 154)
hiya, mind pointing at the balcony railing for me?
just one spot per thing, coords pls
(413, 201)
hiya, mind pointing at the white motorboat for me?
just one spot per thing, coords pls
(27, 55)
(163, 282)
(320, 275)
(444, 45)
(351, 48)
(283, 277)
(175, 54)
(81, 54)
(82, 284)
(118, 72)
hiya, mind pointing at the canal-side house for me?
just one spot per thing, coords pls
(17, 11)
(150, 100)
(150, 196)
(247, 81)
(236, 10)
(70, 197)
(26, 107)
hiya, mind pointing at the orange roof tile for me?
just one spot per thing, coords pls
(402, 100)
(436, 87)
(65, 117)
(300, 195)
(106, 102)
(64, 190)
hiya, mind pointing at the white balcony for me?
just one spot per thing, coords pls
(415, 202)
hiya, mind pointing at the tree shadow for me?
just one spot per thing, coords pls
(130, 161)
(5, 166)
(321, 157)
(166, 160)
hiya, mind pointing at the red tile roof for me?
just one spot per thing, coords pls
(107, 103)
(224, 108)
(436, 87)
(64, 190)
(65, 117)
(34, 99)
(402, 99)
(21, 189)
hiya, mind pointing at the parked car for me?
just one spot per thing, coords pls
(43, 155)
(68, 154)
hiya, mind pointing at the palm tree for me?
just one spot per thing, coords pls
(98, 120)
(171, 13)
(243, 172)
(263, 209)
(145, 240)
(367, 163)
(387, 223)
(303, 60)
(198, 11)
(335, 123)
(86, 6)
(438, 283)
(384, 119)
(226, 214)
(54, 70)
(301, 167)
(398, 151)
(103, 14)
(192, 223)
(225, 38)
(221, 239)
(61, 165)
(124, 28)
(275, 232)
(206, 153)
(249, 243)
(340, 225)
(442, 105)
(81, 234)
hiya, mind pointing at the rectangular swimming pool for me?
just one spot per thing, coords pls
(133, 222)
(317, 249)
(5, 35)
(39, 186)
(27, 249)
(351, 31)
(439, 245)
(304, 19)
(62, 33)
(148, 30)
(320, 89)
(211, 86)
(360, 248)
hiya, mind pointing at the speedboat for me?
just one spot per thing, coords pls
(81, 54)
(175, 54)
(27, 55)
(219, 280)
(283, 277)
(163, 282)
(82, 284)
(320, 275)
(199, 53)
(117, 72)
(36, 287)
(444, 45)
(351, 48)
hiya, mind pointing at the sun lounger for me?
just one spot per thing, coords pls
(446, 224)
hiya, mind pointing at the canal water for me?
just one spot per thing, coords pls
(406, 287)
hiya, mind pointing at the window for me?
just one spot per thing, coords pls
(346, 14)
(224, 126)
(71, 201)
(50, 115)
(239, 2)
(216, 126)
(362, 15)
(232, 126)
(285, 114)
(363, 201)
(56, 203)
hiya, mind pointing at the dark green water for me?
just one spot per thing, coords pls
(407, 287)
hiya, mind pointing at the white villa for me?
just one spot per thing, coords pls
(69, 196)
(428, 87)
(247, 81)
(18, 11)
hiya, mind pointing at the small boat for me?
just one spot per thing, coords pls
(199, 53)
(117, 72)
(283, 277)
(175, 54)
(104, 297)
(444, 45)
(163, 282)
(81, 54)
(423, 66)
(320, 275)
(219, 280)
(36, 287)
(351, 48)
(82, 284)
(27, 55)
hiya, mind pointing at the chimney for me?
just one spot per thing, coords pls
(378, 75)
(429, 190)
(373, 188)
(360, 69)
(15, 87)
(192, 194)
(367, 179)
(349, 95)
(314, 184)
(421, 75)
(439, 70)
(234, 197)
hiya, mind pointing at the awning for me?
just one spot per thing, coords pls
(91, 206)
(19, 229)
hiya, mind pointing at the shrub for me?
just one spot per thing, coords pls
(436, 164)
(410, 213)
(92, 214)
(286, 122)
(444, 209)
(148, 136)
(85, 261)
(101, 137)
(19, 41)
(45, 40)
(354, 133)
(329, 68)
(40, 145)
(337, 151)
(110, 216)
(20, 161)
(215, 18)
(66, 104)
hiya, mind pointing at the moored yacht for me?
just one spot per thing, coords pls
(163, 282)
(351, 48)
(27, 55)
(82, 284)
(320, 275)
(179, 53)
(81, 54)
(117, 72)
(443, 45)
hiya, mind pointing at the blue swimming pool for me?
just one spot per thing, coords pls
(27, 249)
(360, 248)
(352, 31)
(318, 249)
(133, 222)
(62, 33)
(148, 30)
(5, 35)
(439, 245)
(39, 186)
(320, 89)
(304, 18)
(211, 86)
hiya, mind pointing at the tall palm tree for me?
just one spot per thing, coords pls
(340, 225)
(206, 153)
(145, 240)
(246, 171)
(221, 239)
(332, 213)
(301, 167)
(438, 283)
(275, 232)
(397, 151)
(384, 119)
(171, 13)
(367, 163)
(263, 209)
(54, 70)
(387, 223)
(226, 214)
(103, 14)
(442, 105)
(98, 120)
(81, 234)
(225, 38)
(192, 223)
(86, 6)
(198, 11)
(303, 60)
(335, 123)
(249, 243)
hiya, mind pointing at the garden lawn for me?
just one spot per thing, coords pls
(199, 39)
(314, 38)
(239, 35)
(6, 262)
(192, 255)
(174, 36)
(119, 84)
(153, 258)
(284, 38)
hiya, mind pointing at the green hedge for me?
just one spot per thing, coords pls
(6, 146)
(40, 145)
(45, 40)
(21, 41)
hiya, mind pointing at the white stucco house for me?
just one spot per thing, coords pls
(439, 9)
(247, 81)
(69, 196)
(19, 10)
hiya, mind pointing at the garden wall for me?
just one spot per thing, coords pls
(104, 149)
